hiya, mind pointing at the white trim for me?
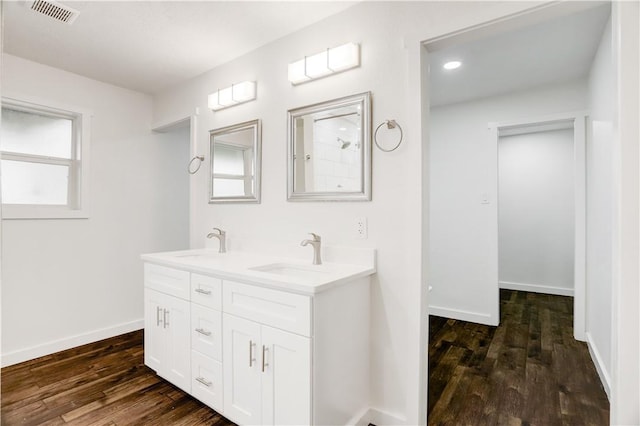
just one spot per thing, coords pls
(580, 227)
(48, 348)
(458, 314)
(376, 417)
(599, 364)
(536, 288)
(625, 303)
(580, 209)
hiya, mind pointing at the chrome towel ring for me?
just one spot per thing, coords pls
(200, 159)
(391, 124)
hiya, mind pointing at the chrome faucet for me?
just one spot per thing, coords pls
(316, 242)
(222, 236)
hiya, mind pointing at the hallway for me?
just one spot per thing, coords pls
(527, 371)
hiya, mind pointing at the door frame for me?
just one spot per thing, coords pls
(579, 120)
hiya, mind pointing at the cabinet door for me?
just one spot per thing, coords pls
(177, 319)
(286, 382)
(242, 374)
(155, 335)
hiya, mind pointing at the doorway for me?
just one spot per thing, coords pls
(541, 208)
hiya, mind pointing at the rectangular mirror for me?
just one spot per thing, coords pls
(329, 150)
(235, 163)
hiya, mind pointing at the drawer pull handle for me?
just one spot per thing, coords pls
(202, 291)
(203, 331)
(203, 381)
(264, 357)
(158, 319)
(166, 318)
(251, 358)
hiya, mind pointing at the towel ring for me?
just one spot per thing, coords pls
(391, 124)
(200, 159)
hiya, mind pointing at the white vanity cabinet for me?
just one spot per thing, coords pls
(267, 370)
(206, 340)
(166, 326)
(260, 350)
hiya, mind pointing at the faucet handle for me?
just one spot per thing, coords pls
(220, 231)
(316, 237)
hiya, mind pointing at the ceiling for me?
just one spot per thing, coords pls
(554, 51)
(148, 46)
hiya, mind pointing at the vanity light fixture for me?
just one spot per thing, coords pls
(327, 62)
(452, 65)
(233, 95)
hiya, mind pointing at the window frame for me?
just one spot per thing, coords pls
(78, 188)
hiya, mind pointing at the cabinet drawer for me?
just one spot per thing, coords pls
(206, 291)
(206, 380)
(206, 331)
(167, 280)
(287, 311)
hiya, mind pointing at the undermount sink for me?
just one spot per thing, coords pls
(291, 270)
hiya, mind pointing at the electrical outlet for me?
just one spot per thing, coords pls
(361, 227)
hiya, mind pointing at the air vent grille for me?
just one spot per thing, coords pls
(55, 10)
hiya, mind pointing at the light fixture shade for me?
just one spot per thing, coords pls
(296, 72)
(324, 63)
(344, 57)
(318, 65)
(233, 95)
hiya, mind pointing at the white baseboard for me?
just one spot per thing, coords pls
(536, 288)
(458, 314)
(48, 348)
(376, 417)
(600, 367)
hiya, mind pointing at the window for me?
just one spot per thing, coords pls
(43, 163)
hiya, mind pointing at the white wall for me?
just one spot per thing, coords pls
(68, 282)
(536, 212)
(463, 270)
(390, 35)
(600, 206)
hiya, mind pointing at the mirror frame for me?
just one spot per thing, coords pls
(363, 99)
(256, 126)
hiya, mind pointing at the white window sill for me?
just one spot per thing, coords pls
(42, 212)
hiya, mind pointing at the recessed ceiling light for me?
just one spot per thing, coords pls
(452, 65)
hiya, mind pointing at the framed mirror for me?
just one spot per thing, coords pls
(329, 150)
(235, 163)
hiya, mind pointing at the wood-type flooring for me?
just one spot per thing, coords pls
(104, 384)
(527, 371)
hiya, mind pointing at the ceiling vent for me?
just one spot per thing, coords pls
(55, 10)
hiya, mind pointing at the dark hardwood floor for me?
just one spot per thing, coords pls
(527, 371)
(103, 383)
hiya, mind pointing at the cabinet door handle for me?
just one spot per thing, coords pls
(166, 318)
(203, 381)
(202, 291)
(264, 357)
(251, 358)
(203, 331)
(158, 319)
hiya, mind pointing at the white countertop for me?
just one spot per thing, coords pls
(291, 274)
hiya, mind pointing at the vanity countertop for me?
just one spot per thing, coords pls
(290, 274)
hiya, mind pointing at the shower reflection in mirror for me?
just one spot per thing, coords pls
(235, 163)
(329, 147)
